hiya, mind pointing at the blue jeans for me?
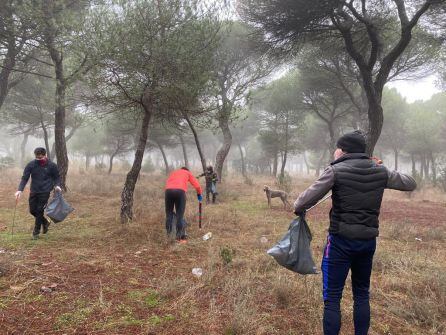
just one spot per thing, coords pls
(340, 256)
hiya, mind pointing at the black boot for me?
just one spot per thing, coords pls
(46, 225)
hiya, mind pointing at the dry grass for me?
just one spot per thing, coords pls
(114, 279)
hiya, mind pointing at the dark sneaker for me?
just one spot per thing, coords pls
(35, 237)
(45, 227)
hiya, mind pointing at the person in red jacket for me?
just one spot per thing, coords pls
(175, 196)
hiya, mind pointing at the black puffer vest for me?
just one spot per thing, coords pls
(357, 193)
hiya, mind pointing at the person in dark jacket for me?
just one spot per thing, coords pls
(211, 179)
(357, 183)
(44, 178)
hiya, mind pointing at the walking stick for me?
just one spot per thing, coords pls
(199, 215)
(13, 218)
(328, 196)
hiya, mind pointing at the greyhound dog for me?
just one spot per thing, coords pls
(276, 194)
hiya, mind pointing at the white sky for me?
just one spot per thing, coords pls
(414, 90)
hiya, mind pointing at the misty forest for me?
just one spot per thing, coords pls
(251, 98)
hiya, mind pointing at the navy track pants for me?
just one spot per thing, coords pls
(340, 256)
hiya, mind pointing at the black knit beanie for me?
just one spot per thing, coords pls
(353, 142)
(40, 151)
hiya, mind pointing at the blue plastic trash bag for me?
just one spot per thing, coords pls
(293, 250)
(58, 209)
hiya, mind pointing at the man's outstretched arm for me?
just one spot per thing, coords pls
(315, 192)
(400, 181)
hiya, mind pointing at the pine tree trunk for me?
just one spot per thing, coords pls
(132, 175)
(197, 142)
(110, 166)
(59, 116)
(183, 146)
(376, 119)
(163, 153)
(275, 164)
(224, 149)
(23, 148)
(242, 159)
(45, 138)
(433, 169)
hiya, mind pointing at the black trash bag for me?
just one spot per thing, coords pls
(293, 250)
(58, 209)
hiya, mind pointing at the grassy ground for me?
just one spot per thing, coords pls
(114, 279)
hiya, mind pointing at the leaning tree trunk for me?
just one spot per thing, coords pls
(224, 149)
(183, 146)
(110, 166)
(163, 153)
(197, 142)
(132, 176)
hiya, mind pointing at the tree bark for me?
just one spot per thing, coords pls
(9, 60)
(110, 166)
(23, 148)
(433, 169)
(132, 176)
(183, 146)
(45, 138)
(275, 164)
(226, 146)
(242, 159)
(284, 160)
(163, 153)
(285, 153)
(197, 141)
(425, 165)
(60, 114)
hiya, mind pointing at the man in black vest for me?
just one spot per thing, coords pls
(357, 183)
(44, 177)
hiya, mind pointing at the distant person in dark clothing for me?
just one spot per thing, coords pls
(44, 178)
(357, 183)
(211, 183)
(175, 197)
